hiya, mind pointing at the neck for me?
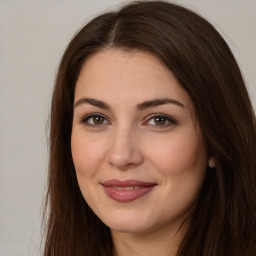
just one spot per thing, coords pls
(161, 243)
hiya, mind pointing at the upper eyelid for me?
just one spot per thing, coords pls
(93, 114)
(88, 116)
(161, 115)
(149, 117)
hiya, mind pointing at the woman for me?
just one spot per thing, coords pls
(152, 143)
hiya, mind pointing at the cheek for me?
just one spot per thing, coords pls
(87, 153)
(182, 163)
(179, 154)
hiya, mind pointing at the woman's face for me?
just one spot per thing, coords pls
(136, 143)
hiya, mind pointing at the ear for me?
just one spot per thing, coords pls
(212, 162)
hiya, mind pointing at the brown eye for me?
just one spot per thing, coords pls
(98, 120)
(94, 120)
(160, 120)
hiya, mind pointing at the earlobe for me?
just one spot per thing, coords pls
(212, 162)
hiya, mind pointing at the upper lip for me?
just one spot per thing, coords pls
(127, 183)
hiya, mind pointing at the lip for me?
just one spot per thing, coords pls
(127, 190)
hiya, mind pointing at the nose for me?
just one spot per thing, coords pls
(124, 151)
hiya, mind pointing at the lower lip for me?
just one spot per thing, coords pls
(125, 196)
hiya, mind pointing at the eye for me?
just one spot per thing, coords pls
(161, 121)
(94, 120)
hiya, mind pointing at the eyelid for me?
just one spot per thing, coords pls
(171, 120)
(85, 118)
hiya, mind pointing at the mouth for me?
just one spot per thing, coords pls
(127, 190)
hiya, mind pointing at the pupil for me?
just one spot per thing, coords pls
(98, 120)
(160, 120)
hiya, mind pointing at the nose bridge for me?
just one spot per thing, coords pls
(124, 148)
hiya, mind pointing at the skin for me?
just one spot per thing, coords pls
(131, 143)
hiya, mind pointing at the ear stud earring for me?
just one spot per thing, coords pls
(212, 162)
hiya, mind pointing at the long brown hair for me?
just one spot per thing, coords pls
(224, 221)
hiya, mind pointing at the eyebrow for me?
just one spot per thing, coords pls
(142, 106)
(94, 102)
(158, 102)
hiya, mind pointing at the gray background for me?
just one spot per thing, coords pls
(33, 36)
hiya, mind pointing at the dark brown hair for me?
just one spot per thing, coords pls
(224, 221)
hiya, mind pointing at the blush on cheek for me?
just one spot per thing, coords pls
(179, 157)
(82, 151)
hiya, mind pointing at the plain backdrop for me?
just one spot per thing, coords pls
(33, 36)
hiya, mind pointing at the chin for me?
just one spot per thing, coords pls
(126, 223)
(128, 228)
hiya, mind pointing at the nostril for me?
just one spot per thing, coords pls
(124, 161)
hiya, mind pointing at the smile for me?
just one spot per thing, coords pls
(128, 190)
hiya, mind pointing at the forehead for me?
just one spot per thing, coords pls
(136, 75)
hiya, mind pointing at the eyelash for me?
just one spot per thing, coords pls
(167, 119)
(84, 120)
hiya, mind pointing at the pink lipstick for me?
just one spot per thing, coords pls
(127, 190)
